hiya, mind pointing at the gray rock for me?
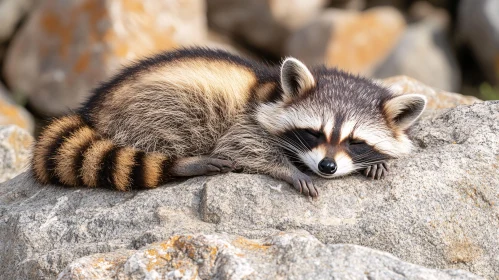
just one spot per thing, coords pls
(399, 4)
(15, 151)
(351, 40)
(66, 48)
(437, 98)
(438, 208)
(293, 255)
(13, 114)
(264, 24)
(424, 53)
(479, 26)
(11, 13)
(348, 4)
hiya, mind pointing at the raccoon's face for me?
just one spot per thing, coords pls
(336, 123)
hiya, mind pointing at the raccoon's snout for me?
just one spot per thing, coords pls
(327, 166)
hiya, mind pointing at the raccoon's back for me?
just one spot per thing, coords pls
(177, 105)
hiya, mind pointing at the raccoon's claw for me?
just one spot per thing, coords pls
(376, 171)
(304, 185)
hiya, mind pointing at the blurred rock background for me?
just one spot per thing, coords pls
(53, 52)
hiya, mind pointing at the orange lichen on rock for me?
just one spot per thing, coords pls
(11, 114)
(247, 244)
(360, 41)
(82, 63)
(74, 45)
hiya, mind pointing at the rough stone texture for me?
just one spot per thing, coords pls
(354, 41)
(11, 13)
(10, 113)
(264, 24)
(67, 47)
(15, 151)
(293, 255)
(438, 208)
(424, 52)
(437, 99)
(479, 26)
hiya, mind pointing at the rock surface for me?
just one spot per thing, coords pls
(15, 151)
(425, 54)
(438, 208)
(264, 24)
(354, 41)
(10, 113)
(293, 255)
(67, 47)
(479, 26)
(437, 99)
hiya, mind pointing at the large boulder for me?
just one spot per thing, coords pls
(263, 24)
(354, 41)
(293, 255)
(479, 27)
(424, 52)
(438, 207)
(67, 47)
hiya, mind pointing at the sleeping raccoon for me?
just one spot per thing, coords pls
(198, 111)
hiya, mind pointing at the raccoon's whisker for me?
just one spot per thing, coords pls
(307, 148)
(289, 147)
(286, 143)
(301, 142)
(292, 143)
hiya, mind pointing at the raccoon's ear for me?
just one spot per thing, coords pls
(405, 109)
(295, 78)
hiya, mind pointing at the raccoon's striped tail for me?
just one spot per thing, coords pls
(69, 152)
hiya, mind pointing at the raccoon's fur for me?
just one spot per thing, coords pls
(199, 111)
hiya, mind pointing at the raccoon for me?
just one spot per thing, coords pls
(199, 111)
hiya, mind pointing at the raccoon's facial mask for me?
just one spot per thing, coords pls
(312, 148)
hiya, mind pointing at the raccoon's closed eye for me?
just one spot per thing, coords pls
(313, 133)
(359, 147)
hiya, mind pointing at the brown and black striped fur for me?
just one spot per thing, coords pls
(70, 152)
(134, 127)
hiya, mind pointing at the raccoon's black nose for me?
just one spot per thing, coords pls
(328, 166)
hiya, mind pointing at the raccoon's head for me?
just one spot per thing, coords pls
(336, 123)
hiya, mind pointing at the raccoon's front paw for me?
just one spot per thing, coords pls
(304, 185)
(376, 171)
(197, 166)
